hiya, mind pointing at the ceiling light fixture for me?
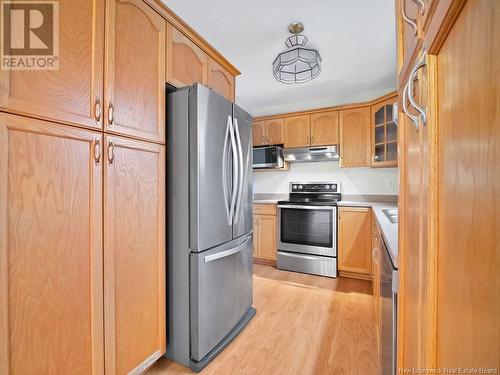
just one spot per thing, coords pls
(297, 64)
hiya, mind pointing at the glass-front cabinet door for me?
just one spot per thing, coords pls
(385, 135)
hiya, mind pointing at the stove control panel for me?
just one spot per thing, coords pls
(315, 187)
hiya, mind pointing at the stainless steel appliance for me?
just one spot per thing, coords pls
(307, 232)
(311, 154)
(209, 224)
(268, 157)
(389, 286)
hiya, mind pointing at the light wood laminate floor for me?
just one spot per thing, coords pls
(304, 325)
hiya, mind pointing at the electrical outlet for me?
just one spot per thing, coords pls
(390, 184)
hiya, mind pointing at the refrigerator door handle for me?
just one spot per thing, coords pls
(226, 253)
(236, 168)
(224, 172)
(241, 174)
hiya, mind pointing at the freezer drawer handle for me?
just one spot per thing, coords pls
(224, 254)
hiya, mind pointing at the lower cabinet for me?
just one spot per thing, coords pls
(134, 254)
(264, 229)
(354, 242)
(51, 261)
(376, 257)
(82, 267)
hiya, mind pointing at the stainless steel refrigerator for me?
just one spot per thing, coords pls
(210, 224)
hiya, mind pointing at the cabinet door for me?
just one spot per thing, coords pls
(220, 80)
(259, 133)
(51, 310)
(468, 243)
(267, 230)
(256, 237)
(72, 93)
(276, 131)
(298, 131)
(135, 70)
(134, 254)
(355, 137)
(325, 128)
(186, 62)
(355, 240)
(384, 135)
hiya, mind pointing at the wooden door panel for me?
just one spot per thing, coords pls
(355, 138)
(51, 311)
(134, 254)
(186, 62)
(256, 237)
(68, 94)
(267, 231)
(469, 190)
(135, 70)
(220, 80)
(298, 131)
(355, 240)
(276, 131)
(259, 133)
(325, 128)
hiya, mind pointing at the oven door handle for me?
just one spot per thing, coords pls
(307, 207)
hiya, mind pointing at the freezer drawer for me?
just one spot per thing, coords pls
(313, 264)
(221, 292)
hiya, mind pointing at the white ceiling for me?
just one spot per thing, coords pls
(356, 39)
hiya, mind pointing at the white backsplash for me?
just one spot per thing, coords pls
(354, 181)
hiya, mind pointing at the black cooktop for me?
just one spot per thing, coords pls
(320, 199)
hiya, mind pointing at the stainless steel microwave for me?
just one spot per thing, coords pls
(268, 157)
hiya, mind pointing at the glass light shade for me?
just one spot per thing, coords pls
(297, 64)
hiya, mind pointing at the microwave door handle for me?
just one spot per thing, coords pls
(224, 172)
(235, 169)
(241, 174)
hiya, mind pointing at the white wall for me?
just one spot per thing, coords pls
(367, 181)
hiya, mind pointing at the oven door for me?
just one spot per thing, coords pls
(308, 229)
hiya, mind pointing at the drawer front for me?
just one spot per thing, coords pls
(264, 209)
(312, 264)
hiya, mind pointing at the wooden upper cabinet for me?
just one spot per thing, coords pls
(325, 128)
(259, 133)
(355, 145)
(276, 131)
(134, 254)
(298, 131)
(384, 135)
(220, 80)
(135, 70)
(74, 92)
(186, 62)
(355, 240)
(51, 310)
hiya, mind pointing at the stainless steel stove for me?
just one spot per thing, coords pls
(307, 231)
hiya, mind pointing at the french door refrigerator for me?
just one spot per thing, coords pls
(210, 224)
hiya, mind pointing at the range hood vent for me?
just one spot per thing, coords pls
(311, 154)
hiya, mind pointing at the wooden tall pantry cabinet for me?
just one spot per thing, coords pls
(82, 193)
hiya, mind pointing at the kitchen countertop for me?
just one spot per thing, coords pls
(388, 229)
(261, 198)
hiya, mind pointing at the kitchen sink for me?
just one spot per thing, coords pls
(392, 215)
